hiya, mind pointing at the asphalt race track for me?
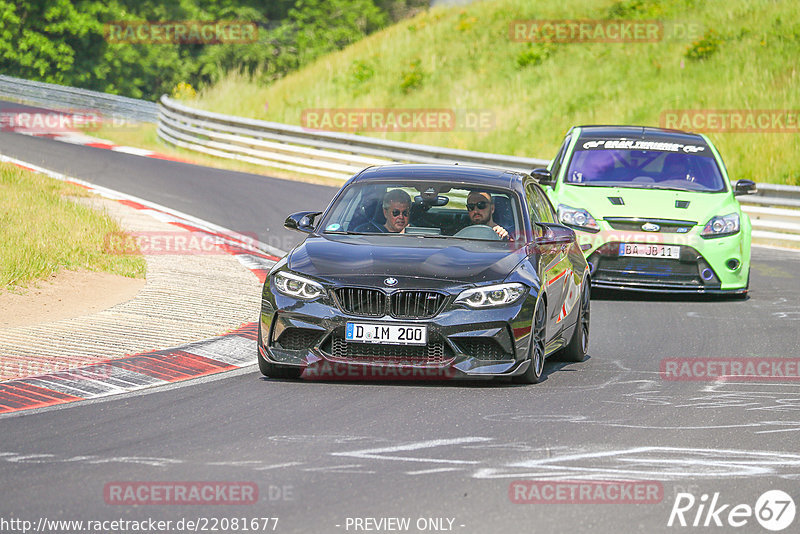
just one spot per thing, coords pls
(323, 452)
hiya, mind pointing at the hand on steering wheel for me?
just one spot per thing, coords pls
(502, 232)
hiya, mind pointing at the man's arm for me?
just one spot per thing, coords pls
(502, 232)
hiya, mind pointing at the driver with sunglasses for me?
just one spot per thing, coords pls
(480, 207)
(396, 209)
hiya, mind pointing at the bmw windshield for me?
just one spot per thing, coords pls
(429, 209)
(681, 170)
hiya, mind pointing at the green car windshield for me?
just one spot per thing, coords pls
(647, 169)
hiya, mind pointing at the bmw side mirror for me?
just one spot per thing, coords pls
(555, 233)
(302, 221)
(744, 187)
(543, 176)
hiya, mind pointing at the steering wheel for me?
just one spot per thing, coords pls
(478, 231)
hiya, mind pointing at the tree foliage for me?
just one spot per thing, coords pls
(63, 41)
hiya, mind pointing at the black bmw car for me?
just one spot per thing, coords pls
(427, 271)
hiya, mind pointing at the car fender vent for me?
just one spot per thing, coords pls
(617, 201)
(482, 348)
(683, 204)
(295, 338)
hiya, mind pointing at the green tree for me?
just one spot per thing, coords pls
(322, 26)
(63, 41)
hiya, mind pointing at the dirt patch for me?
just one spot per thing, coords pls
(65, 295)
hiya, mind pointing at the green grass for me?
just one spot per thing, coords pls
(42, 231)
(463, 59)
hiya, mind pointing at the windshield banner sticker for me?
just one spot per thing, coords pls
(628, 144)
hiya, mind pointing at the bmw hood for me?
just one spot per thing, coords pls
(362, 259)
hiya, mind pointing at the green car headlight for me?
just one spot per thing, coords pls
(296, 286)
(577, 218)
(720, 226)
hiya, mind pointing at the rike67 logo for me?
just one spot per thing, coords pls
(774, 510)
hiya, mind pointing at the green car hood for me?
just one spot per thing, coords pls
(646, 203)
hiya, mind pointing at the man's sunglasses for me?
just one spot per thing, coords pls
(395, 213)
(480, 205)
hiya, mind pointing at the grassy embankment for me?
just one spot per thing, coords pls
(42, 231)
(744, 56)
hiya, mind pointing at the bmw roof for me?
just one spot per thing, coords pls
(489, 176)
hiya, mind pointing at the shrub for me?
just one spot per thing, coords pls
(703, 48)
(413, 78)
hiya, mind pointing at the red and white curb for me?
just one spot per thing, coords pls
(78, 138)
(111, 377)
(232, 350)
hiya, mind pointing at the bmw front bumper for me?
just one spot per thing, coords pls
(462, 342)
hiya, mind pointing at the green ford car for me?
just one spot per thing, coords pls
(653, 209)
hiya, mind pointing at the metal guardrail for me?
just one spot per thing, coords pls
(775, 214)
(319, 153)
(774, 210)
(49, 94)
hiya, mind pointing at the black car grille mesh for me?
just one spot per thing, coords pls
(635, 225)
(482, 348)
(298, 338)
(415, 304)
(434, 353)
(648, 270)
(402, 304)
(359, 301)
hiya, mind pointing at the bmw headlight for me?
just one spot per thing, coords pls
(721, 226)
(577, 218)
(297, 286)
(491, 296)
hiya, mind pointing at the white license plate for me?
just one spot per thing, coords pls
(394, 334)
(667, 252)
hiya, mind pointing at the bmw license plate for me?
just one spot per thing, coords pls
(393, 334)
(667, 252)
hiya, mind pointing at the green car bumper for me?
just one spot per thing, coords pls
(678, 261)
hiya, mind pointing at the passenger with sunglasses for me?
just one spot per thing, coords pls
(396, 209)
(480, 207)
